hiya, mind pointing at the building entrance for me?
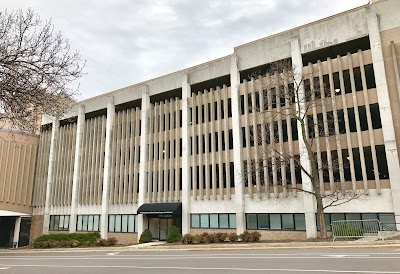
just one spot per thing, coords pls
(159, 227)
(161, 217)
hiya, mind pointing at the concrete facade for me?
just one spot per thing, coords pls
(188, 137)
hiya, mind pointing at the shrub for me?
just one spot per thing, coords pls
(250, 237)
(233, 237)
(220, 237)
(255, 236)
(200, 238)
(101, 242)
(76, 243)
(112, 241)
(245, 236)
(348, 230)
(187, 239)
(209, 238)
(145, 237)
(174, 235)
(66, 240)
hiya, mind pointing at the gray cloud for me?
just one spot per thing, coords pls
(129, 41)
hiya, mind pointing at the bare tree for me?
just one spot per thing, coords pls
(37, 67)
(291, 97)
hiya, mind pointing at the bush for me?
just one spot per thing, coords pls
(145, 237)
(174, 235)
(245, 236)
(250, 237)
(348, 230)
(220, 237)
(200, 238)
(81, 237)
(187, 239)
(112, 241)
(255, 236)
(66, 240)
(233, 237)
(208, 238)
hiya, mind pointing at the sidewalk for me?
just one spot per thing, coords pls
(157, 246)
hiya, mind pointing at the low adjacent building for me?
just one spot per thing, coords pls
(17, 169)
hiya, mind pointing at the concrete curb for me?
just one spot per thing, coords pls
(250, 246)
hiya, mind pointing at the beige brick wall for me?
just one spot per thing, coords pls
(265, 234)
(211, 230)
(36, 227)
(124, 238)
(281, 235)
(58, 232)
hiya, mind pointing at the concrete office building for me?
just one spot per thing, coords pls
(176, 149)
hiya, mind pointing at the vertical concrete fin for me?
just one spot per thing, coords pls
(309, 201)
(237, 146)
(385, 110)
(143, 154)
(107, 167)
(80, 128)
(186, 94)
(50, 174)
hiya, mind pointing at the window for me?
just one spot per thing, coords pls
(232, 220)
(287, 222)
(204, 220)
(213, 220)
(387, 219)
(251, 220)
(88, 223)
(122, 223)
(276, 221)
(195, 221)
(263, 221)
(59, 222)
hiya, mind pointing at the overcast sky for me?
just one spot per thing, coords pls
(130, 41)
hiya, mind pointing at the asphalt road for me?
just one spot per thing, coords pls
(337, 260)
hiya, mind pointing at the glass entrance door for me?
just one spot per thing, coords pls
(165, 225)
(154, 224)
(159, 228)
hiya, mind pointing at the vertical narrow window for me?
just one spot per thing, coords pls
(214, 221)
(232, 220)
(195, 220)
(223, 221)
(204, 221)
(251, 221)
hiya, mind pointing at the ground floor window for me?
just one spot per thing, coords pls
(122, 223)
(59, 222)
(387, 220)
(275, 221)
(88, 223)
(214, 220)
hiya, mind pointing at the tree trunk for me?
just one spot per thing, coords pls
(320, 215)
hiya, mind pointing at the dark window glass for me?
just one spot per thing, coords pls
(382, 162)
(375, 116)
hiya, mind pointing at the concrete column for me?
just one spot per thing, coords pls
(80, 128)
(107, 167)
(50, 175)
(17, 227)
(186, 94)
(143, 155)
(308, 199)
(385, 110)
(237, 146)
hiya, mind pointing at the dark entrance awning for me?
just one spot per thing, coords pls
(160, 208)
